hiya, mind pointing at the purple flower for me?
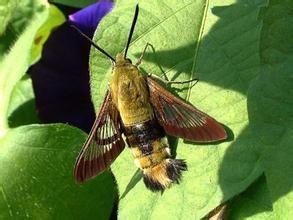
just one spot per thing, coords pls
(88, 18)
(61, 77)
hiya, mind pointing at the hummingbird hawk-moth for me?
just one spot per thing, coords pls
(140, 108)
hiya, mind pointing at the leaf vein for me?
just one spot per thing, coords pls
(6, 201)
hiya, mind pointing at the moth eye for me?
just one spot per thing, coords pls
(129, 60)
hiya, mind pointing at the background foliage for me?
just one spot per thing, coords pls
(36, 161)
(241, 51)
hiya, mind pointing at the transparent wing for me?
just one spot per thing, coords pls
(181, 119)
(103, 145)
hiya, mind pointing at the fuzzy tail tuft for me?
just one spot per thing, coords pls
(162, 175)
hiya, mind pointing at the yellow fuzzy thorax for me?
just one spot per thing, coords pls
(129, 92)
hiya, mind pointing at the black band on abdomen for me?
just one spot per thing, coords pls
(143, 134)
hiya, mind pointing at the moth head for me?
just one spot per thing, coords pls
(120, 59)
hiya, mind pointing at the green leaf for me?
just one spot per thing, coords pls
(254, 203)
(27, 19)
(6, 11)
(75, 3)
(24, 12)
(270, 104)
(55, 18)
(217, 43)
(36, 181)
(22, 109)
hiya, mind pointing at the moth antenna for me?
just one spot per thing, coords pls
(131, 29)
(93, 43)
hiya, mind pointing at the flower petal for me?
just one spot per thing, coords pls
(61, 80)
(88, 18)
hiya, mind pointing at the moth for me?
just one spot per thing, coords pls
(138, 107)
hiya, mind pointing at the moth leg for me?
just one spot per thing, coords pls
(169, 82)
(154, 51)
(142, 54)
(183, 82)
(193, 81)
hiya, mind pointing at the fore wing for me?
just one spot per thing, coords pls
(181, 119)
(103, 144)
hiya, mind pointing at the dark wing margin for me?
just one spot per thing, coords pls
(103, 144)
(181, 119)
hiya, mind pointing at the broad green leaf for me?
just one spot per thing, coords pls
(55, 18)
(271, 104)
(217, 43)
(254, 203)
(75, 3)
(30, 15)
(22, 109)
(36, 180)
(23, 14)
(6, 11)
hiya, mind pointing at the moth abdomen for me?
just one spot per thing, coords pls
(151, 151)
(161, 176)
